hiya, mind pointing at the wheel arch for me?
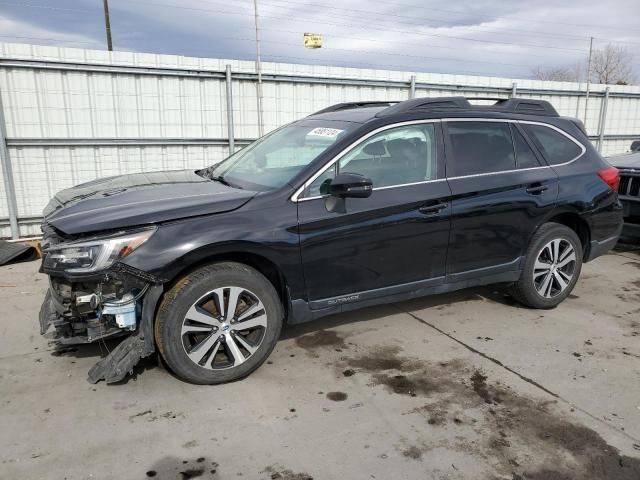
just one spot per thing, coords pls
(575, 222)
(244, 254)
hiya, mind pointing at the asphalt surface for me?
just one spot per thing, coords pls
(460, 386)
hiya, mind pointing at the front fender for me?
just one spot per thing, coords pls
(183, 245)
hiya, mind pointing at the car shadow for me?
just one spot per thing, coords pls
(492, 293)
(101, 349)
(628, 244)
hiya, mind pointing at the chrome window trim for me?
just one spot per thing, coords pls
(304, 199)
(296, 195)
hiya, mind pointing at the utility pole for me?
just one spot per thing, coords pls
(107, 24)
(586, 99)
(258, 69)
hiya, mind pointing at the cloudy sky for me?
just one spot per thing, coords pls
(486, 37)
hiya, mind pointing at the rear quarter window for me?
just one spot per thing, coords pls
(555, 147)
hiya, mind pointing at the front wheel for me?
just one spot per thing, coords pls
(219, 323)
(552, 267)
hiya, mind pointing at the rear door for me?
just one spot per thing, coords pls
(501, 189)
(397, 236)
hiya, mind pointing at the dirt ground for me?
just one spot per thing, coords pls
(467, 385)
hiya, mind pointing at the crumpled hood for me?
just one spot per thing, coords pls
(140, 199)
(627, 160)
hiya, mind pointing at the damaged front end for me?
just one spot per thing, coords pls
(93, 296)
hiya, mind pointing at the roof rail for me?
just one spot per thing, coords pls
(436, 103)
(523, 105)
(349, 105)
(510, 105)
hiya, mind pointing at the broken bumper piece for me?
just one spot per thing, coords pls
(120, 361)
(76, 321)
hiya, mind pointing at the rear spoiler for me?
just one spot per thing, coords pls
(578, 123)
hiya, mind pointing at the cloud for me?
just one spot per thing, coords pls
(16, 30)
(488, 37)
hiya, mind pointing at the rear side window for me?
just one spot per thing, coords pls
(555, 147)
(525, 158)
(479, 147)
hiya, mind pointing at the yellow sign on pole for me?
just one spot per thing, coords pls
(312, 40)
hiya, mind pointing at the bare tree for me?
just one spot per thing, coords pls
(613, 65)
(555, 73)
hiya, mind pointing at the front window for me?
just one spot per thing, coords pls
(397, 156)
(276, 158)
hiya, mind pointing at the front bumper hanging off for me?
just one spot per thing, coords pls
(121, 360)
(139, 343)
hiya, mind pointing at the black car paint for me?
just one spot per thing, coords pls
(140, 199)
(383, 247)
(378, 241)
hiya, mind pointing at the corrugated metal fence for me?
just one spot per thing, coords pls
(71, 115)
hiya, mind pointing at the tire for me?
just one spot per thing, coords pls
(532, 289)
(201, 340)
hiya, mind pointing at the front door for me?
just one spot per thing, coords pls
(501, 190)
(397, 236)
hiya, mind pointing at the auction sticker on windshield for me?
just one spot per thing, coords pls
(325, 132)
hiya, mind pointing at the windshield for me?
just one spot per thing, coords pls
(273, 160)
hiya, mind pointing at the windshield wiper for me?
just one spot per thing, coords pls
(222, 180)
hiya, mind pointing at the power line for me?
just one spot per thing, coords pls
(47, 7)
(491, 29)
(385, 14)
(386, 42)
(533, 32)
(300, 19)
(50, 39)
(352, 50)
(455, 12)
(528, 19)
(407, 55)
(349, 63)
(335, 36)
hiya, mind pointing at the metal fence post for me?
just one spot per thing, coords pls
(7, 171)
(603, 118)
(412, 87)
(514, 89)
(232, 145)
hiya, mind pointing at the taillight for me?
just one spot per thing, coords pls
(610, 176)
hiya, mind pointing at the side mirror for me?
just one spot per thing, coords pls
(351, 185)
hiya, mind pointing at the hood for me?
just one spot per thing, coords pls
(140, 199)
(627, 160)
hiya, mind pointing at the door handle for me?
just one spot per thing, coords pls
(433, 208)
(536, 189)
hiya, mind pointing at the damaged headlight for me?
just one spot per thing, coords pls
(93, 255)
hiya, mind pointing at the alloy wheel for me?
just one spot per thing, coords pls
(224, 328)
(554, 268)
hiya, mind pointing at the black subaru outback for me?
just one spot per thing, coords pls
(358, 204)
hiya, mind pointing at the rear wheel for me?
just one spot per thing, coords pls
(219, 323)
(552, 266)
